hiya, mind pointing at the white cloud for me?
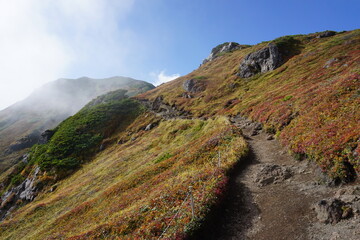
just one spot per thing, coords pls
(42, 40)
(161, 77)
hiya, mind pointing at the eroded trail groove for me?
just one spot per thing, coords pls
(270, 197)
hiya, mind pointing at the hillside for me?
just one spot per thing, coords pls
(309, 99)
(200, 157)
(127, 187)
(22, 123)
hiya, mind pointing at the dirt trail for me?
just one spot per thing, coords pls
(262, 207)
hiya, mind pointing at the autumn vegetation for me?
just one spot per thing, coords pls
(311, 102)
(112, 179)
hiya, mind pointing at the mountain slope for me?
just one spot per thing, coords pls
(22, 123)
(144, 179)
(131, 190)
(311, 100)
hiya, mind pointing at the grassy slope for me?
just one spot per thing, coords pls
(22, 119)
(76, 139)
(132, 190)
(314, 110)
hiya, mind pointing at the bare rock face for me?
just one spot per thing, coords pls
(25, 142)
(25, 191)
(261, 61)
(222, 48)
(194, 86)
(326, 34)
(45, 136)
(156, 104)
(272, 173)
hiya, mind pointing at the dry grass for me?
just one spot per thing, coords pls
(132, 191)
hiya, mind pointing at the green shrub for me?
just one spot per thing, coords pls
(288, 46)
(79, 136)
(17, 179)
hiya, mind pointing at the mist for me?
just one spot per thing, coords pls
(45, 40)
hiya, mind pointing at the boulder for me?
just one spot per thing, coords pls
(329, 210)
(194, 86)
(261, 61)
(325, 34)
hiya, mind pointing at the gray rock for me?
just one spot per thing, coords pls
(156, 104)
(270, 137)
(186, 95)
(102, 147)
(326, 34)
(24, 191)
(272, 173)
(194, 86)
(329, 210)
(25, 158)
(258, 126)
(46, 136)
(330, 62)
(222, 48)
(149, 127)
(25, 142)
(29, 192)
(261, 61)
(254, 132)
(356, 207)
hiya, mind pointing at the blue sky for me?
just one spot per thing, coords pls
(152, 40)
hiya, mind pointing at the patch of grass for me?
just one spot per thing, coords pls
(287, 98)
(199, 77)
(163, 157)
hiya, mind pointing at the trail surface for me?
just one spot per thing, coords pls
(271, 196)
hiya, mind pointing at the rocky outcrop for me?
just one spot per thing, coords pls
(325, 34)
(272, 173)
(25, 191)
(345, 204)
(194, 85)
(25, 142)
(151, 126)
(329, 210)
(164, 110)
(261, 61)
(222, 48)
(30, 140)
(46, 136)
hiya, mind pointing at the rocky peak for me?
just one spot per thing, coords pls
(325, 34)
(223, 48)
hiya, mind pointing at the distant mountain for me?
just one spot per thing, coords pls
(22, 123)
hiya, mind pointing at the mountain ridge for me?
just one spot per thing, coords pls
(22, 123)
